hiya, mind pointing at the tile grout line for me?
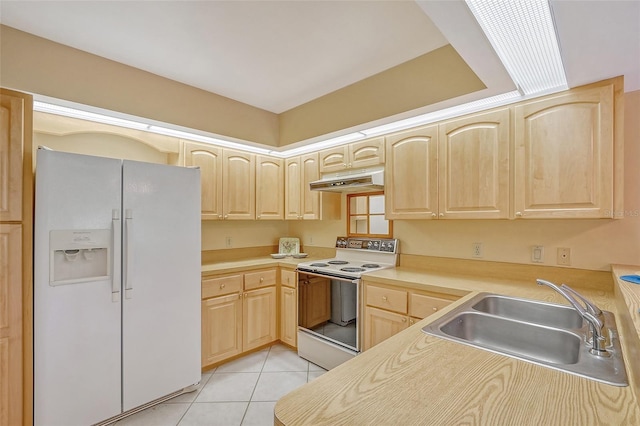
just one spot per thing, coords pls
(256, 385)
(195, 397)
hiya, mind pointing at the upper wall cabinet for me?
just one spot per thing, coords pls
(411, 174)
(11, 136)
(227, 181)
(209, 159)
(356, 155)
(302, 203)
(269, 188)
(239, 185)
(473, 166)
(564, 152)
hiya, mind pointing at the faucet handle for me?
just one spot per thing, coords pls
(590, 306)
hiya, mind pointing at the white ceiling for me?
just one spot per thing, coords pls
(277, 55)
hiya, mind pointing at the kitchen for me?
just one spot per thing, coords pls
(502, 241)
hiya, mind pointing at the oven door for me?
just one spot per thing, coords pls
(328, 314)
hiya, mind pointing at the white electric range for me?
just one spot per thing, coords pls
(329, 303)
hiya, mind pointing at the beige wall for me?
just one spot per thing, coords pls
(101, 145)
(243, 233)
(594, 244)
(39, 66)
(433, 77)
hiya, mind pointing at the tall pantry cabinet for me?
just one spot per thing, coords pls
(16, 206)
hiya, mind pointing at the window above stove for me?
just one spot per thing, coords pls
(365, 216)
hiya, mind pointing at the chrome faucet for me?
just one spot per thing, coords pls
(591, 313)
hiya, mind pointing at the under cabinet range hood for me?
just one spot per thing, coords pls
(365, 180)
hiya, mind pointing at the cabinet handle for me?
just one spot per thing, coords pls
(289, 292)
(519, 214)
(384, 298)
(404, 320)
(433, 215)
(261, 279)
(441, 215)
(349, 164)
(221, 285)
(219, 216)
(258, 216)
(226, 216)
(245, 294)
(411, 321)
(435, 309)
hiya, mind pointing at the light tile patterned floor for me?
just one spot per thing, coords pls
(241, 392)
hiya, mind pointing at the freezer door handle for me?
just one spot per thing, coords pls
(115, 276)
(128, 273)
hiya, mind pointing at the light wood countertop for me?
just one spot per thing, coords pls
(416, 379)
(252, 263)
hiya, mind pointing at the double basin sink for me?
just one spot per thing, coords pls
(543, 333)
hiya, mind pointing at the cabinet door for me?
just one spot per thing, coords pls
(315, 301)
(221, 328)
(293, 189)
(366, 153)
(288, 316)
(411, 174)
(10, 324)
(209, 159)
(334, 159)
(269, 188)
(473, 166)
(564, 156)
(11, 137)
(379, 325)
(239, 185)
(259, 318)
(310, 199)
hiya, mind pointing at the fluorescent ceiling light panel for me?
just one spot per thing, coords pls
(523, 35)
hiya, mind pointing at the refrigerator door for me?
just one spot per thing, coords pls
(77, 321)
(161, 281)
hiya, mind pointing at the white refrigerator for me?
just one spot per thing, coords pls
(116, 286)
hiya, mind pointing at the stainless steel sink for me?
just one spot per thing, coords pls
(542, 313)
(542, 333)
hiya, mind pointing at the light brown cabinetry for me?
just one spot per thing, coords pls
(238, 185)
(238, 313)
(269, 188)
(473, 166)
(209, 160)
(289, 307)
(390, 309)
(355, 155)
(227, 181)
(411, 174)
(457, 169)
(564, 153)
(302, 203)
(16, 316)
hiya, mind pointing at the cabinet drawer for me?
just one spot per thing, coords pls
(217, 286)
(258, 279)
(421, 306)
(386, 298)
(288, 278)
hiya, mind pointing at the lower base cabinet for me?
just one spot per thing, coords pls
(259, 318)
(239, 313)
(221, 328)
(390, 309)
(289, 316)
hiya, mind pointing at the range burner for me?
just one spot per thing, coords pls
(338, 262)
(320, 265)
(370, 265)
(352, 269)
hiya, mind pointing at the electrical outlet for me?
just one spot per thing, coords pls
(477, 250)
(311, 239)
(537, 254)
(229, 242)
(564, 256)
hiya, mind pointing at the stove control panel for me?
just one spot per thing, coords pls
(389, 245)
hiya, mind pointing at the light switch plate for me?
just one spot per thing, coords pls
(537, 254)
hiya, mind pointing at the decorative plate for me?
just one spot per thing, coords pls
(289, 246)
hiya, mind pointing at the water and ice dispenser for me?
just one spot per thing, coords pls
(79, 256)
